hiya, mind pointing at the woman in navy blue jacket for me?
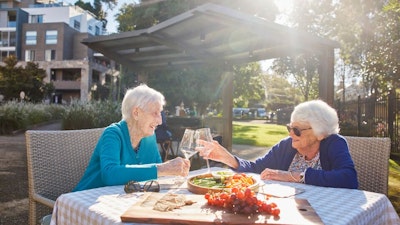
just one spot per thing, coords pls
(313, 154)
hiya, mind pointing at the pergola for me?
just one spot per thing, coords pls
(213, 34)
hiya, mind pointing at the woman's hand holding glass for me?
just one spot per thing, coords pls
(187, 147)
(205, 135)
(214, 151)
(174, 167)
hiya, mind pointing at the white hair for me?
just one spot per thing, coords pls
(321, 117)
(141, 96)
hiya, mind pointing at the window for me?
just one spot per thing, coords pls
(36, 18)
(3, 55)
(29, 55)
(7, 39)
(77, 25)
(4, 5)
(108, 79)
(13, 39)
(95, 77)
(4, 39)
(31, 37)
(50, 55)
(12, 21)
(51, 37)
(53, 75)
(97, 32)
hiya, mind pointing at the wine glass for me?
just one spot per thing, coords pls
(205, 135)
(187, 145)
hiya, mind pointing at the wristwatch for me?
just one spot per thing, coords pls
(302, 176)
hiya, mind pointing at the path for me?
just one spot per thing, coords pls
(14, 178)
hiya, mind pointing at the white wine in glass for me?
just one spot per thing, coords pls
(187, 145)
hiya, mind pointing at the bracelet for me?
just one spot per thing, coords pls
(302, 177)
(291, 175)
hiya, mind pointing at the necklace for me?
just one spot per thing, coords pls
(135, 142)
(312, 162)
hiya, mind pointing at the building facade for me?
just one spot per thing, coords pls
(51, 35)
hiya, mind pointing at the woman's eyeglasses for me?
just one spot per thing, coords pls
(296, 130)
(149, 186)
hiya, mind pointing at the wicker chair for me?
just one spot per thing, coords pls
(371, 159)
(56, 161)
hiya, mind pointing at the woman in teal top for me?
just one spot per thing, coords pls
(128, 150)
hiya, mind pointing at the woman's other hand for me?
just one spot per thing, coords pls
(280, 175)
(174, 167)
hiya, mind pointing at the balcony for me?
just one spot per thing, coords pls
(67, 85)
(12, 24)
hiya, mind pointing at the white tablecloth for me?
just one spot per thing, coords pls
(333, 205)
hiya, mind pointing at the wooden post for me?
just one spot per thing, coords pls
(326, 75)
(227, 105)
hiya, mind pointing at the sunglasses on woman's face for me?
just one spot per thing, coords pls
(149, 186)
(296, 130)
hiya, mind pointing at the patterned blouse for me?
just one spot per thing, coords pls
(300, 164)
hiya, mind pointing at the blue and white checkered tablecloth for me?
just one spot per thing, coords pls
(334, 206)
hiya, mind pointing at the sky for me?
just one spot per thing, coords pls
(112, 24)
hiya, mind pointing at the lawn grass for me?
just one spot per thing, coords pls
(394, 184)
(269, 134)
(263, 135)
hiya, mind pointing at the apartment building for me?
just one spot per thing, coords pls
(11, 19)
(51, 35)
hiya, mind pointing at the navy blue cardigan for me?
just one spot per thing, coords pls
(337, 166)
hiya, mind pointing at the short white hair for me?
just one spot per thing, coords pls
(141, 96)
(321, 117)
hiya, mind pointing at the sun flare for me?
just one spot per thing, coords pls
(284, 5)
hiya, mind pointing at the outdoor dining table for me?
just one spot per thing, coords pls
(333, 205)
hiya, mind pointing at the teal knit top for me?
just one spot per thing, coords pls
(115, 162)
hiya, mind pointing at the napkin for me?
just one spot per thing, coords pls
(279, 190)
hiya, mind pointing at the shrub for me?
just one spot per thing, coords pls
(11, 118)
(106, 112)
(20, 115)
(78, 115)
(85, 115)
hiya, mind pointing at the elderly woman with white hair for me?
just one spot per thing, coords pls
(127, 150)
(314, 153)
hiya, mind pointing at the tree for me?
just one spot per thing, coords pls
(198, 88)
(252, 92)
(14, 79)
(280, 93)
(314, 17)
(97, 8)
(303, 69)
(34, 87)
(368, 46)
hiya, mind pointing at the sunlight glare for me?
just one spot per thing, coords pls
(284, 6)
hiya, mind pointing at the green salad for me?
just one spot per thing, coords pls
(209, 182)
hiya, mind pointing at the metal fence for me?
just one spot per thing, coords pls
(371, 117)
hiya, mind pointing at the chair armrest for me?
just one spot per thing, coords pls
(45, 201)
